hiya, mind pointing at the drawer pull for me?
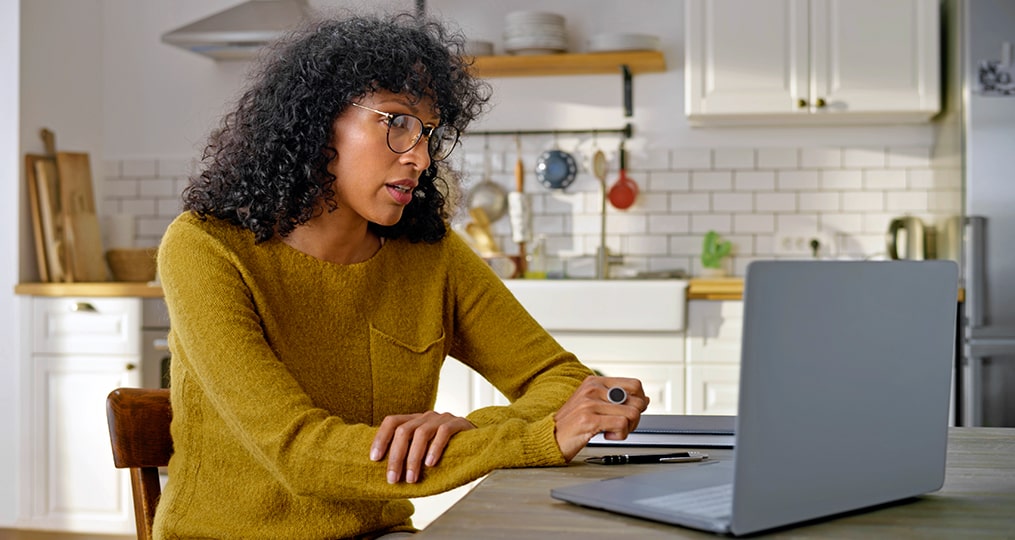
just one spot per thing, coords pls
(131, 367)
(83, 307)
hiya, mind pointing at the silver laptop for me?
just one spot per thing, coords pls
(845, 382)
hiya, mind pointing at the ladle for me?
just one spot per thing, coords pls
(624, 191)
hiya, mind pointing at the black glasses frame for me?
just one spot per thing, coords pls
(424, 130)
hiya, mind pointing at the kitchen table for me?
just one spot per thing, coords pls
(977, 500)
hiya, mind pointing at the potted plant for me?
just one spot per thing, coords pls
(713, 250)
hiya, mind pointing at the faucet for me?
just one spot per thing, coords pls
(603, 257)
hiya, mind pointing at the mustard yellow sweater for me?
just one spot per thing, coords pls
(283, 366)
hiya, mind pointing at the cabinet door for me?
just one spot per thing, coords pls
(663, 383)
(746, 57)
(875, 56)
(713, 331)
(713, 389)
(86, 325)
(76, 487)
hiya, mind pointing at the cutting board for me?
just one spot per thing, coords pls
(82, 232)
(44, 195)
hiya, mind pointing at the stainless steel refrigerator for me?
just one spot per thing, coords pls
(980, 36)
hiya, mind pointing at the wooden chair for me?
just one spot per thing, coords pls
(139, 434)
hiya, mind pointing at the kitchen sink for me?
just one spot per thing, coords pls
(595, 304)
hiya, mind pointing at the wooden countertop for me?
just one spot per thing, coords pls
(729, 288)
(977, 500)
(103, 289)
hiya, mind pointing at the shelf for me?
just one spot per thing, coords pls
(569, 64)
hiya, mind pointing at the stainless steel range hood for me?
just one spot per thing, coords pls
(238, 32)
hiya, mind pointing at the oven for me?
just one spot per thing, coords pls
(154, 343)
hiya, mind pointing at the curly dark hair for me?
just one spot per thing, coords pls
(265, 167)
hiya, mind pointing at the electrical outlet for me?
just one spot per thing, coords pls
(800, 244)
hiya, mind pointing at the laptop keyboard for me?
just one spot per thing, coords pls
(713, 502)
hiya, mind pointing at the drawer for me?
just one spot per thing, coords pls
(86, 325)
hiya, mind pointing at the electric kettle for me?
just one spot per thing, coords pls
(908, 238)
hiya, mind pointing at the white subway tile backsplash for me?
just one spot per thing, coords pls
(775, 202)
(745, 194)
(884, 179)
(690, 202)
(734, 158)
(863, 158)
(139, 168)
(908, 157)
(863, 200)
(819, 201)
(778, 158)
(906, 201)
(754, 181)
(668, 223)
(821, 158)
(669, 181)
(720, 223)
(754, 223)
(732, 202)
(841, 180)
(691, 159)
(796, 180)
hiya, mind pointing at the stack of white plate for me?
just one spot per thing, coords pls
(476, 47)
(534, 32)
(623, 42)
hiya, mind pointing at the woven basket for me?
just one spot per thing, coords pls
(132, 264)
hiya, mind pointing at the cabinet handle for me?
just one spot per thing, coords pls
(83, 306)
(131, 367)
(801, 103)
(820, 102)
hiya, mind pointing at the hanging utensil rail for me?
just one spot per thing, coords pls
(626, 131)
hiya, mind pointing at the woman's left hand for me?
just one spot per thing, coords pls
(407, 438)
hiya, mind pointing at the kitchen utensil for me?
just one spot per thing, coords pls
(556, 169)
(917, 240)
(518, 204)
(602, 256)
(479, 230)
(624, 191)
(46, 182)
(488, 195)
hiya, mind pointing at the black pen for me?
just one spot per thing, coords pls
(621, 459)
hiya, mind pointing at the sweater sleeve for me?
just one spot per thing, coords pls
(224, 364)
(498, 338)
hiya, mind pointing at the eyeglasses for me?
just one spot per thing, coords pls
(405, 131)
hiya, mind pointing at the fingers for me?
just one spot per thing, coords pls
(413, 441)
(608, 405)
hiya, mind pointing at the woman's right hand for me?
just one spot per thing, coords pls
(589, 412)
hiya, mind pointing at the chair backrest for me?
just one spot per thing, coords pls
(139, 434)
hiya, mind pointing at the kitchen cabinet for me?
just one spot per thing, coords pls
(811, 61)
(713, 355)
(81, 349)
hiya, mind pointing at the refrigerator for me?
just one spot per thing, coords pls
(980, 91)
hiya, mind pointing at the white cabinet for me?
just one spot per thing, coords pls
(82, 348)
(811, 61)
(713, 355)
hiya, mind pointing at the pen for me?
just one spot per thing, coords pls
(621, 459)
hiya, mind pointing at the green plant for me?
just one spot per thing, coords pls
(713, 250)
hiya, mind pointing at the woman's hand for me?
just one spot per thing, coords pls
(588, 412)
(407, 438)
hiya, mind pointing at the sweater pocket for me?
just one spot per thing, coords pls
(405, 374)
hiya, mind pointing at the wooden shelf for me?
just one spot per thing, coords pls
(569, 64)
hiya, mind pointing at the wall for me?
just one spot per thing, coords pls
(840, 184)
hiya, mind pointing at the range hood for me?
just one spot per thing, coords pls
(238, 32)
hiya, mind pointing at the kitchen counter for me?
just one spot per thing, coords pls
(730, 288)
(100, 289)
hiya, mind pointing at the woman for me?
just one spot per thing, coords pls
(314, 291)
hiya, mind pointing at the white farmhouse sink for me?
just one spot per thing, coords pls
(612, 305)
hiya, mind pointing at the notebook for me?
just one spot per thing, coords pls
(845, 380)
(677, 430)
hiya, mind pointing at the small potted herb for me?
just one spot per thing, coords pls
(713, 250)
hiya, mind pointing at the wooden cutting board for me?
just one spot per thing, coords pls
(82, 233)
(42, 174)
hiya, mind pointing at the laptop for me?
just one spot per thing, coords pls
(845, 382)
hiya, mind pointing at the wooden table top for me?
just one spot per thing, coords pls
(977, 500)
